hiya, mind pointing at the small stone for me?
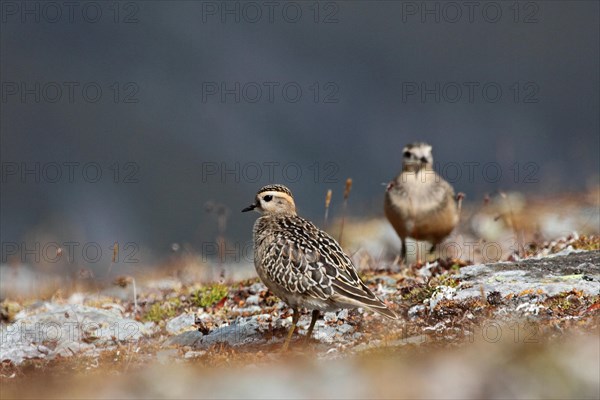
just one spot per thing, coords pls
(345, 328)
(256, 288)
(151, 327)
(330, 316)
(386, 280)
(194, 354)
(249, 310)
(416, 310)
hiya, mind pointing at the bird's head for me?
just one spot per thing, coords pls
(273, 199)
(416, 156)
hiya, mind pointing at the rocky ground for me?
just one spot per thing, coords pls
(465, 331)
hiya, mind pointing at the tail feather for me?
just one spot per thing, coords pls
(383, 310)
(367, 299)
(354, 291)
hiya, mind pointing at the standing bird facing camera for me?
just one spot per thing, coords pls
(303, 265)
(419, 203)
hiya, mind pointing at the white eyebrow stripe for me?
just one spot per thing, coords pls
(286, 196)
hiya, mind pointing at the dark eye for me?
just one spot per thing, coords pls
(268, 198)
(407, 154)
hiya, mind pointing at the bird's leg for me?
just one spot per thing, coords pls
(432, 251)
(403, 251)
(431, 254)
(295, 319)
(313, 321)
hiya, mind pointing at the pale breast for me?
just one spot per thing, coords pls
(421, 205)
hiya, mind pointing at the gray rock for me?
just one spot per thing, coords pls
(71, 348)
(188, 338)
(550, 275)
(183, 322)
(151, 328)
(335, 315)
(70, 328)
(242, 331)
(332, 333)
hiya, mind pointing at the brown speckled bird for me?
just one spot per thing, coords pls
(419, 203)
(302, 264)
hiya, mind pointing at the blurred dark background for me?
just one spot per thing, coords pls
(343, 87)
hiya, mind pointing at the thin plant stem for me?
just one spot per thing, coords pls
(347, 190)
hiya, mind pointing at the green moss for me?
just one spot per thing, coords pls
(561, 301)
(418, 293)
(588, 243)
(161, 311)
(209, 295)
(445, 280)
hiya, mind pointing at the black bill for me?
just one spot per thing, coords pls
(249, 208)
